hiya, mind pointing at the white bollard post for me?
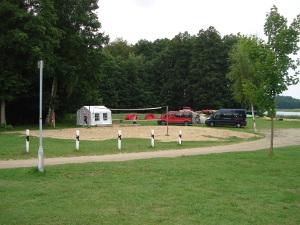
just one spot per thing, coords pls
(180, 137)
(152, 138)
(119, 139)
(27, 140)
(77, 139)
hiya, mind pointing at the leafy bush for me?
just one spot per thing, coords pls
(4, 126)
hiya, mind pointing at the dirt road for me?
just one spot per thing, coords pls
(284, 137)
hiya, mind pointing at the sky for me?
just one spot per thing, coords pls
(134, 20)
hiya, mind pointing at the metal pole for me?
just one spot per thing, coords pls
(41, 151)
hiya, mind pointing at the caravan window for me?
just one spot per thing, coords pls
(104, 116)
(178, 114)
(96, 116)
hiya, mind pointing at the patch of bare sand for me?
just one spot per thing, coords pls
(189, 133)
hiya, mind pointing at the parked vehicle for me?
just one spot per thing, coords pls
(207, 112)
(187, 108)
(229, 117)
(176, 117)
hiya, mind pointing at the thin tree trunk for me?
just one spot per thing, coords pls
(2, 115)
(271, 153)
(50, 119)
(254, 122)
(272, 114)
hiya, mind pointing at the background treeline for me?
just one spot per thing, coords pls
(65, 34)
(83, 68)
(184, 71)
(287, 102)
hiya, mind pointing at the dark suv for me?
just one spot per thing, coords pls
(230, 117)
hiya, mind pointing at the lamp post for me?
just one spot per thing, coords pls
(41, 151)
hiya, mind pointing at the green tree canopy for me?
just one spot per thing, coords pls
(287, 102)
(266, 65)
(27, 35)
(209, 85)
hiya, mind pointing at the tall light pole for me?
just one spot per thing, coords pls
(41, 151)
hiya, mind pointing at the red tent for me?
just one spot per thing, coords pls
(131, 117)
(150, 117)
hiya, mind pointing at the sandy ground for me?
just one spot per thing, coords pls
(284, 137)
(189, 133)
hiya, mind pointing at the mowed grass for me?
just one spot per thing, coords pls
(13, 144)
(230, 188)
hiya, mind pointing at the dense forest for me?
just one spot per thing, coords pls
(287, 102)
(83, 67)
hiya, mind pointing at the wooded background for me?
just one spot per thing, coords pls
(83, 68)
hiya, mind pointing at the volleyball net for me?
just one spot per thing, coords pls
(138, 109)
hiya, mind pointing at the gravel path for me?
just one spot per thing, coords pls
(284, 137)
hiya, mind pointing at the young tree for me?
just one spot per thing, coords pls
(276, 60)
(267, 64)
(243, 73)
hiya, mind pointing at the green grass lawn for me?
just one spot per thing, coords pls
(266, 124)
(13, 145)
(230, 188)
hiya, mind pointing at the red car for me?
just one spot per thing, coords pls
(176, 117)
